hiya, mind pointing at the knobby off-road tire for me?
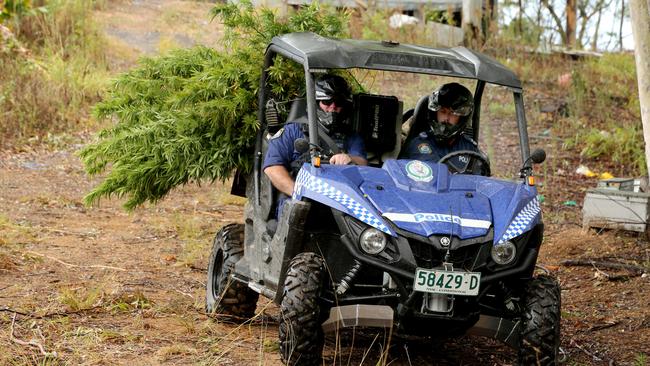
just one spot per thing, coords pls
(540, 335)
(225, 295)
(301, 335)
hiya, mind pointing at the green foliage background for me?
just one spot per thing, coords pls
(192, 115)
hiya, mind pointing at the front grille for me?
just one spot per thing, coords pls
(470, 257)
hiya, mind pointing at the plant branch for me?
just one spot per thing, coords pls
(48, 315)
(556, 18)
(76, 265)
(32, 342)
(603, 264)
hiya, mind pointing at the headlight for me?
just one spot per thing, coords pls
(372, 241)
(504, 253)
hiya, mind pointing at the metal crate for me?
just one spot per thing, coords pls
(613, 209)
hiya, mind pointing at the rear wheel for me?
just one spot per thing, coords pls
(225, 295)
(301, 335)
(540, 336)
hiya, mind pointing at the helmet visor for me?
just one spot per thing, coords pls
(459, 107)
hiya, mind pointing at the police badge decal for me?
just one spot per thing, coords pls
(419, 171)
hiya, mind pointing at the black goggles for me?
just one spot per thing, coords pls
(329, 102)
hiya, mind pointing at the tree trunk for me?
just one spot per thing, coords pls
(520, 18)
(584, 19)
(490, 19)
(641, 31)
(538, 22)
(472, 14)
(571, 19)
(620, 28)
(594, 41)
(558, 22)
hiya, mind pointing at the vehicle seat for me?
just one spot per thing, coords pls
(298, 111)
(378, 119)
(419, 121)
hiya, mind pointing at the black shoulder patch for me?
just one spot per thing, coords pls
(278, 134)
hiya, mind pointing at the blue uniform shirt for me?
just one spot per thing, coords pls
(282, 152)
(423, 147)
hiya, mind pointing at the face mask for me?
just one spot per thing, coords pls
(333, 121)
(443, 132)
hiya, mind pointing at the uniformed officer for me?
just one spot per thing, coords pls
(449, 109)
(334, 107)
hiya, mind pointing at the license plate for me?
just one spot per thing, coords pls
(447, 282)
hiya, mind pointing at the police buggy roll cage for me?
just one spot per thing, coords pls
(319, 54)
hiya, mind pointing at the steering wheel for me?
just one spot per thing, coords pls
(477, 164)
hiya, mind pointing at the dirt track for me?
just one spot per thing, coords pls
(117, 287)
(101, 286)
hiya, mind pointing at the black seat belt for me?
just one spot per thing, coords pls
(322, 136)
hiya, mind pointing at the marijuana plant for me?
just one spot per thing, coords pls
(191, 115)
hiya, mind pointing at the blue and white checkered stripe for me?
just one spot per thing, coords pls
(522, 221)
(304, 180)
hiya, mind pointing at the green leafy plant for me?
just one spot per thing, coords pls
(440, 16)
(605, 108)
(191, 115)
(623, 145)
(601, 88)
(10, 9)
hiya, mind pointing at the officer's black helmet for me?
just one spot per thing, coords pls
(457, 98)
(332, 87)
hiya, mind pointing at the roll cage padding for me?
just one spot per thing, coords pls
(298, 111)
(419, 123)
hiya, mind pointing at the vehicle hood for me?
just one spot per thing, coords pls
(423, 198)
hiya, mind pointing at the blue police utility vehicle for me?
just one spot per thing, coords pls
(427, 248)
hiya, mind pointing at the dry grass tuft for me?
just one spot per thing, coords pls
(76, 299)
(7, 262)
(130, 301)
(168, 352)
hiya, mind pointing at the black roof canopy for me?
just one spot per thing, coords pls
(317, 52)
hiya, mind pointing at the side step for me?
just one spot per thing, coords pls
(359, 316)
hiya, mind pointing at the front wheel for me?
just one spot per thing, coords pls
(301, 335)
(225, 295)
(540, 335)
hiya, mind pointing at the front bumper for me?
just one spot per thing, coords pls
(382, 316)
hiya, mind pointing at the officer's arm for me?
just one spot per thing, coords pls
(356, 152)
(358, 160)
(279, 176)
(344, 159)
